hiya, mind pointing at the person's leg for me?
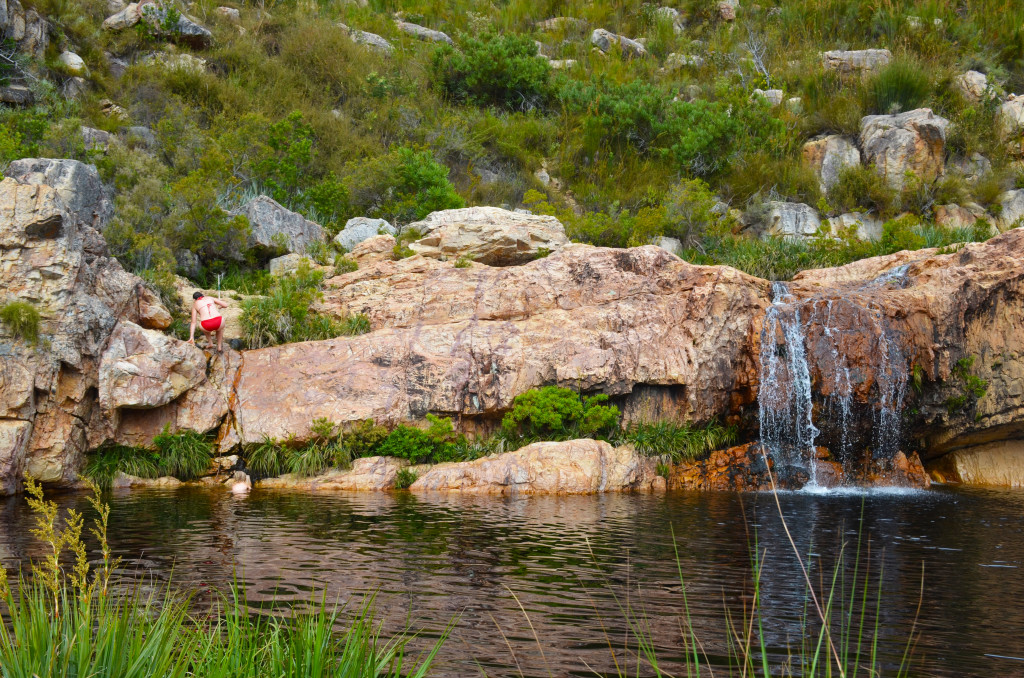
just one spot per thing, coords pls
(209, 338)
(220, 337)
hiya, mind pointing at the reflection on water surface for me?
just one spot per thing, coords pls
(572, 561)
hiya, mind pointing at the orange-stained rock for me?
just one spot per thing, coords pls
(373, 250)
(571, 467)
(468, 340)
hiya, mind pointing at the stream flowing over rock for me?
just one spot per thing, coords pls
(853, 369)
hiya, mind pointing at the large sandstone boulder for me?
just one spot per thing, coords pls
(637, 323)
(273, 225)
(914, 141)
(163, 18)
(371, 40)
(423, 33)
(29, 30)
(999, 464)
(973, 85)
(571, 467)
(78, 185)
(359, 229)
(1010, 118)
(488, 235)
(1011, 210)
(367, 474)
(867, 227)
(829, 156)
(606, 40)
(145, 368)
(52, 258)
(856, 62)
(788, 220)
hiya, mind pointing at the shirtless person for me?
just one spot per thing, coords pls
(207, 311)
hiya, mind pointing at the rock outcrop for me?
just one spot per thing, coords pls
(371, 40)
(856, 62)
(366, 474)
(362, 228)
(914, 141)
(829, 156)
(273, 226)
(142, 369)
(571, 467)
(52, 258)
(788, 220)
(606, 40)
(999, 464)
(488, 235)
(1010, 117)
(423, 33)
(1011, 210)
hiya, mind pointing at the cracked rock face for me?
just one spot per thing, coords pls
(489, 235)
(914, 141)
(52, 258)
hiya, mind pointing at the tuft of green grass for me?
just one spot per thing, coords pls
(185, 455)
(22, 319)
(405, 479)
(103, 466)
(265, 458)
(678, 441)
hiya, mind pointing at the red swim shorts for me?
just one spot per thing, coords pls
(211, 324)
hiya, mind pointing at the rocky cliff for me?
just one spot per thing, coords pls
(665, 338)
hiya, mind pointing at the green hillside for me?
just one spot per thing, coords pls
(622, 146)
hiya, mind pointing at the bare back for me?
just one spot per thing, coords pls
(207, 307)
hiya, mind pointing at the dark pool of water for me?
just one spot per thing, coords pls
(575, 563)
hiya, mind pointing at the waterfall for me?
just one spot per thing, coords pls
(846, 345)
(784, 397)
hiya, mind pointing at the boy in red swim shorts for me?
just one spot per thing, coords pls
(207, 311)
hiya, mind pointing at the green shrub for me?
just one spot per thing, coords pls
(862, 188)
(405, 478)
(22, 319)
(901, 86)
(402, 186)
(496, 69)
(185, 455)
(437, 443)
(902, 234)
(344, 264)
(556, 413)
(354, 324)
(309, 460)
(363, 439)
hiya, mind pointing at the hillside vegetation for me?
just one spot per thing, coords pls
(288, 99)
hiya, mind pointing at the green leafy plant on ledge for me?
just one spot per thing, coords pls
(184, 455)
(681, 442)
(22, 319)
(973, 387)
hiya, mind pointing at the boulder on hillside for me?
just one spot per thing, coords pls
(606, 40)
(772, 96)
(423, 33)
(1010, 118)
(96, 139)
(273, 225)
(973, 168)
(373, 250)
(958, 216)
(72, 63)
(1011, 213)
(291, 263)
(571, 467)
(787, 220)
(78, 185)
(867, 227)
(371, 40)
(914, 141)
(29, 30)
(145, 368)
(562, 24)
(163, 18)
(675, 61)
(727, 9)
(856, 62)
(488, 235)
(176, 62)
(973, 85)
(828, 156)
(229, 14)
(359, 229)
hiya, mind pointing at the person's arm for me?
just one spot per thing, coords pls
(221, 303)
(192, 329)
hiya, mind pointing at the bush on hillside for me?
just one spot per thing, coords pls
(556, 413)
(901, 86)
(403, 185)
(22, 320)
(495, 70)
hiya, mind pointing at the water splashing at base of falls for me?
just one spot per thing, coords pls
(785, 397)
(833, 347)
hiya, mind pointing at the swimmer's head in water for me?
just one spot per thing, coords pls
(197, 295)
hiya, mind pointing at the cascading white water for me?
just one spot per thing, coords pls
(784, 396)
